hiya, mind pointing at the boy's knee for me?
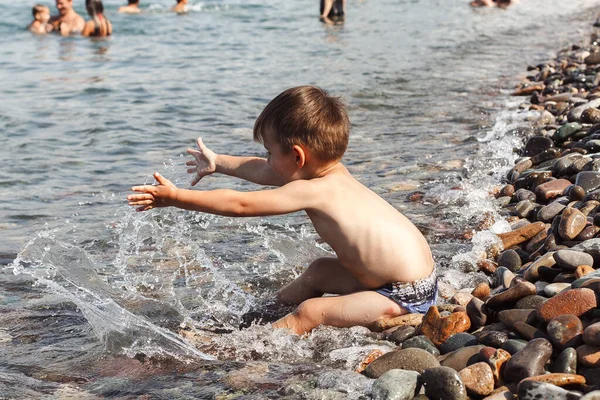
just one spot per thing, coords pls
(309, 311)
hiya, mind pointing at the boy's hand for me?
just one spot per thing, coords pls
(205, 161)
(162, 195)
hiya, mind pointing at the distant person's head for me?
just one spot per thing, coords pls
(181, 1)
(64, 6)
(306, 118)
(41, 13)
(133, 2)
(94, 7)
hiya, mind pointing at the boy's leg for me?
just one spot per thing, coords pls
(324, 275)
(361, 308)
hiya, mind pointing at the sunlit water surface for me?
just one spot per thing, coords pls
(101, 302)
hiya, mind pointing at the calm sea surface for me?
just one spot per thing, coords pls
(99, 297)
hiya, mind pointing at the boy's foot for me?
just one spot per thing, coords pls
(264, 314)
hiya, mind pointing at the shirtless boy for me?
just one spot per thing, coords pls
(383, 266)
(67, 21)
(132, 7)
(41, 16)
(180, 7)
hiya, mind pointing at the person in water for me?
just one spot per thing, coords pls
(493, 3)
(332, 11)
(67, 21)
(180, 7)
(382, 266)
(132, 7)
(41, 16)
(98, 26)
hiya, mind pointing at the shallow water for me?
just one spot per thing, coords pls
(94, 303)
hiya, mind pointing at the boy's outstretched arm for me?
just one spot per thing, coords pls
(253, 169)
(295, 196)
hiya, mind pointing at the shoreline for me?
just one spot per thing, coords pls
(536, 329)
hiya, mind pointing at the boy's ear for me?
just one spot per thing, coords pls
(300, 154)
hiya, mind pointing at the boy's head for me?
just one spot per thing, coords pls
(307, 116)
(41, 13)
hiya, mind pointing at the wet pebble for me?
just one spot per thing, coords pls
(458, 341)
(530, 302)
(421, 342)
(496, 359)
(492, 338)
(553, 289)
(396, 384)
(510, 259)
(528, 362)
(443, 383)
(566, 362)
(572, 222)
(588, 356)
(512, 294)
(438, 328)
(401, 333)
(591, 335)
(460, 359)
(514, 345)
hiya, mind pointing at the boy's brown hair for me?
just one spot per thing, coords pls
(306, 115)
(38, 8)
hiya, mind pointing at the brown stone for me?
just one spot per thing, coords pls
(487, 266)
(461, 358)
(461, 298)
(438, 328)
(481, 291)
(495, 358)
(528, 332)
(565, 331)
(549, 190)
(559, 379)
(521, 235)
(588, 356)
(591, 335)
(527, 90)
(510, 317)
(583, 270)
(403, 320)
(514, 293)
(574, 301)
(478, 379)
(572, 222)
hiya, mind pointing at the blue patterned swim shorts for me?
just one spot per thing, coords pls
(416, 297)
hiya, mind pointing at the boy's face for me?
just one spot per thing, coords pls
(284, 164)
(43, 15)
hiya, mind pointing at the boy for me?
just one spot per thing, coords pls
(181, 6)
(383, 267)
(41, 16)
(132, 7)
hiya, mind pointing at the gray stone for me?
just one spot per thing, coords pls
(535, 390)
(575, 113)
(460, 359)
(530, 302)
(509, 317)
(402, 333)
(396, 384)
(524, 208)
(458, 341)
(553, 289)
(476, 310)
(566, 362)
(595, 395)
(510, 259)
(588, 180)
(343, 380)
(514, 345)
(591, 335)
(566, 131)
(571, 259)
(547, 213)
(578, 282)
(421, 342)
(443, 383)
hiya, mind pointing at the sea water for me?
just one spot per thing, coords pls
(99, 301)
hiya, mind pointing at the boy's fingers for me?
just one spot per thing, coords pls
(191, 163)
(200, 144)
(144, 208)
(144, 188)
(138, 197)
(196, 180)
(191, 170)
(160, 179)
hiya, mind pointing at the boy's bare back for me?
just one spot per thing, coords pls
(373, 240)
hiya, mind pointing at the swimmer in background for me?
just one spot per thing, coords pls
(67, 21)
(132, 7)
(41, 16)
(98, 26)
(493, 3)
(333, 11)
(180, 7)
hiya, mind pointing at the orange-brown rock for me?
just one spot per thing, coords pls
(572, 222)
(588, 356)
(559, 379)
(407, 319)
(438, 328)
(526, 91)
(487, 266)
(516, 292)
(583, 270)
(574, 301)
(481, 291)
(521, 235)
(369, 358)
